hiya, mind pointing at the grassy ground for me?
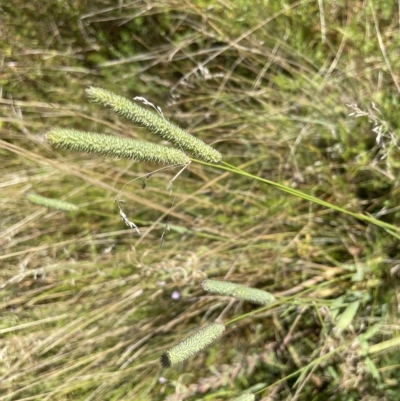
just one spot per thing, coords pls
(87, 306)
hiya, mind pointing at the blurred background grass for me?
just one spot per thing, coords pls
(87, 305)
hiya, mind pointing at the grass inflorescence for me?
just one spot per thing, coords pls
(52, 203)
(238, 291)
(154, 123)
(191, 345)
(113, 146)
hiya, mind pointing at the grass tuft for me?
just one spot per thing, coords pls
(302, 100)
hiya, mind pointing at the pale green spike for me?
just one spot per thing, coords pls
(238, 291)
(113, 146)
(51, 203)
(192, 345)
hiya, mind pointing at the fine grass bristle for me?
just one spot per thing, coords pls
(238, 291)
(51, 203)
(192, 345)
(113, 146)
(153, 123)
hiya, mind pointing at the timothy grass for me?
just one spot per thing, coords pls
(303, 95)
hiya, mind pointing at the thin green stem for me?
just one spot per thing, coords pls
(391, 229)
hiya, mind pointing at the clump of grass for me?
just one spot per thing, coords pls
(77, 329)
(112, 146)
(71, 140)
(154, 123)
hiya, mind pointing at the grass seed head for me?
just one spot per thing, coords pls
(192, 345)
(51, 203)
(238, 291)
(113, 146)
(155, 123)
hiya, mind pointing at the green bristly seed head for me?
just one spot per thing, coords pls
(113, 146)
(52, 203)
(154, 123)
(238, 291)
(192, 345)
